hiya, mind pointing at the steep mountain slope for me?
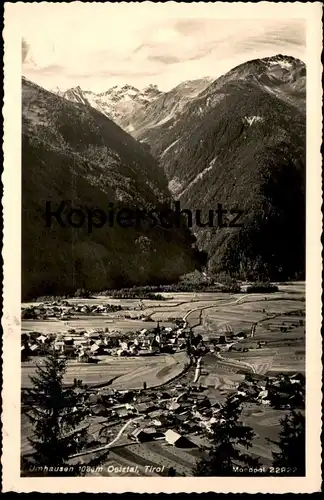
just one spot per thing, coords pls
(166, 109)
(73, 153)
(241, 143)
(117, 103)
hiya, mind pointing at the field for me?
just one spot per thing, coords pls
(121, 373)
(151, 459)
(156, 454)
(276, 344)
(112, 323)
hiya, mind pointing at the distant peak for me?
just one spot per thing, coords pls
(151, 86)
(129, 87)
(283, 58)
(77, 88)
(151, 89)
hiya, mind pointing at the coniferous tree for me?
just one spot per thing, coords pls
(189, 347)
(291, 443)
(229, 432)
(171, 471)
(57, 415)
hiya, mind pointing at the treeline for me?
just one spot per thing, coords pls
(262, 287)
(226, 284)
(153, 292)
(133, 293)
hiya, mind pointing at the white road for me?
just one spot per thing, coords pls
(197, 371)
(233, 362)
(109, 445)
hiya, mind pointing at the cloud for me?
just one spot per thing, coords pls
(51, 70)
(139, 44)
(164, 59)
(189, 26)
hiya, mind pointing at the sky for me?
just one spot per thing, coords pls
(97, 46)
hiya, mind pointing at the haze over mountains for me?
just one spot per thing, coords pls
(238, 140)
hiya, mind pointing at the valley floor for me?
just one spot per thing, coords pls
(275, 344)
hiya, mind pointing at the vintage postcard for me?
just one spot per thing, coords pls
(162, 255)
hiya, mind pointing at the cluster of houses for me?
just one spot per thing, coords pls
(178, 414)
(65, 310)
(285, 389)
(172, 414)
(87, 345)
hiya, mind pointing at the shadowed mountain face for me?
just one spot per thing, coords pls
(72, 153)
(241, 143)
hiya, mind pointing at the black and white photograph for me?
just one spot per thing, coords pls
(163, 242)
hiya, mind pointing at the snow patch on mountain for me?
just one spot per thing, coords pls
(199, 177)
(282, 63)
(175, 186)
(252, 119)
(118, 103)
(169, 147)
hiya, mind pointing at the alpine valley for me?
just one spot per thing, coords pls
(74, 154)
(238, 140)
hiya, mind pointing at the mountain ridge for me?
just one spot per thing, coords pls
(234, 144)
(121, 102)
(238, 140)
(72, 152)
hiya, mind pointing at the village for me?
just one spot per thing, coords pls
(155, 394)
(187, 409)
(91, 344)
(181, 416)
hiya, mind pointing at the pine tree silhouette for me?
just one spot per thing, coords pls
(224, 456)
(291, 442)
(57, 415)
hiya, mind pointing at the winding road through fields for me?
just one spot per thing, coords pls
(114, 441)
(217, 304)
(227, 361)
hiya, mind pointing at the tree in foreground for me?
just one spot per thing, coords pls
(57, 415)
(291, 456)
(229, 433)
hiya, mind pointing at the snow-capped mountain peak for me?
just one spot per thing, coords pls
(118, 102)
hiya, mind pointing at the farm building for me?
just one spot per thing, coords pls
(177, 440)
(156, 413)
(174, 406)
(145, 407)
(163, 395)
(100, 410)
(139, 436)
(144, 435)
(122, 412)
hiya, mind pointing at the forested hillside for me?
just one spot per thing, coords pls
(73, 153)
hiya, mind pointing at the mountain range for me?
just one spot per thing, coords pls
(72, 153)
(238, 140)
(118, 103)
